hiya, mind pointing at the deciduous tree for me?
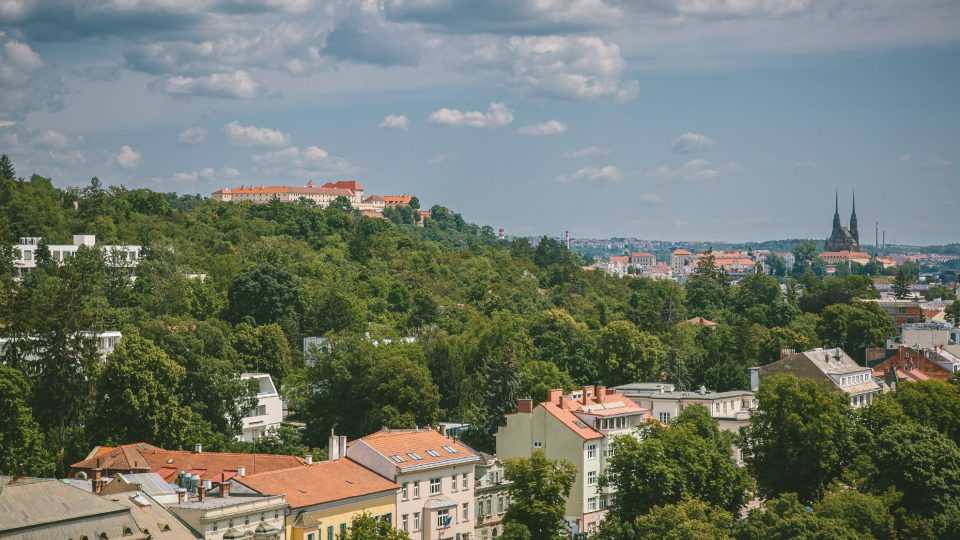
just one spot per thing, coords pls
(538, 494)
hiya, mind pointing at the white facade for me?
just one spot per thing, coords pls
(832, 366)
(436, 494)
(106, 343)
(492, 492)
(269, 410)
(25, 252)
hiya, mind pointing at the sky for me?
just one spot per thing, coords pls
(719, 120)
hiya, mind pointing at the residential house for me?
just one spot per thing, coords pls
(908, 363)
(642, 259)
(217, 467)
(397, 200)
(436, 478)
(831, 366)
(578, 427)
(105, 343)
(217, 514)
(320, 196)
(325, 497)
(152, 484)
(927, 335)
(268, 412)
(681, 258)
(43, 508)
(700, 321)
(833, 258)
(900, 311)
(117, 256)
(491, 497)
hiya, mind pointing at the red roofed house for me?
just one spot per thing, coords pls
(436, 478)
(702, 322)
(578, 427)
(832, 258)
(680, 258)
(322, 196)
(397, 200)
(642, 259)
(910, 363)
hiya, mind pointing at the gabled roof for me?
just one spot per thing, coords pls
(570, 420)
(168, 463)
(702, 322)
(319, 483)
(397, 199)
(681, 252)
(414, 448)
(344, 184)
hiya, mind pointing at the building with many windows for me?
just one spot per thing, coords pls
(436, 478)
(491, 497)
(831, 366)
(580, 428)
(25, 252)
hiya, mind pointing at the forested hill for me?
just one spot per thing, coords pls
(492, 321)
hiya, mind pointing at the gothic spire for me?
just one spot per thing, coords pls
(853, 220)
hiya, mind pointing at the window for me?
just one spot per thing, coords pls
(343, 529)
(499, 505)
(387, 518)
(466, 512)
(450, 449)
(443, 518)
(592, 503)
(591, 478)
(591, 451)
(433, 453)
(414, 456)
(403, 491)
(416, 521)
(397, 458)
(603, 503)
(466, 481)
(311, 536)
(664, 418)
(330, 532)
(435, 486)
(416, 493)
(537, 444)
(404, 523)
(453, 483)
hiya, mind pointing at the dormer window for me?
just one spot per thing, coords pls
(450, 449)
(414, 456)
(397, 458)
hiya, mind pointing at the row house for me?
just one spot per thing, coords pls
(436, 478)
(578, 427)
(492, 497)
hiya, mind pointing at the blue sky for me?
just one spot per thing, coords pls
(665, 119)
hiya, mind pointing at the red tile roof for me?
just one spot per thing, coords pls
(404, 442)
(397, 199)
(612, 404)
(681, 252)
(322, 482)
(622, 260)
(702, 322)
(570, 420)
(209, 465)
(344, 184)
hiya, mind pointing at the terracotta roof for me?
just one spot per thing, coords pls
(931, 313)
(320, 483)
(613, 404)
(641, 254)
(844, 255)
(273, 190)
(623, 260)
(373, 198)
(570, 420)
(701, 321)
(207, 464)
(416, 447)
(344, 184)
(397, 199)
(681, 252)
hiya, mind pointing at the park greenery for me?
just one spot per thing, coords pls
(473, 323)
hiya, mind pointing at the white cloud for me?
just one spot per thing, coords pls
(497, 115)
(437, 159)
(7, 123)
(230, 172)
(193, 135)
(588, 152)
(691, 143)
(128, 158)
(552, 127)
(606, 174)
(311, 162)
(51, 139)
(240, 135)
(651, 198)
(207, 173)
(695, 169)
(395, 122)
(185, 177)
(737, 8)
(236, 85)
(575, 68)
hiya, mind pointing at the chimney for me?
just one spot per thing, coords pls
(97, 472)
(343, 446)
(525, 405)
(553, 396)
(308, 459)
(207, 485)
(333, 447)
(586, 390)
(563, 402)
(601, 393)
(181, 495)
(198, 448)
(225, 488)
(241, 471)
(201, 491)
(442, 428)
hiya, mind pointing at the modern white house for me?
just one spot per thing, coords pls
(268, 412)
(436, 478)
(831, 366)
(106, 343)
(578, 427)
(25, 252)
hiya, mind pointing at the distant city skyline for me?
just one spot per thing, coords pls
(672, 119)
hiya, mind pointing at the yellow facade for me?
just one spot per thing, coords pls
(322, 520)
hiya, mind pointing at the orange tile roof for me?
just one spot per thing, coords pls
(641, 254)
(322, 482)
(681, 252)
(403, 442)
(594, 407)
(570, 420)
(344, 184)
(397, 199)
(273, 190)
(622, 260)
(701, 321)
(844, 255)
(142, 455)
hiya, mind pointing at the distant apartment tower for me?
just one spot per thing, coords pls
(267, 414)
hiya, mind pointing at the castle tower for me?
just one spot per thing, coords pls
(853, 220)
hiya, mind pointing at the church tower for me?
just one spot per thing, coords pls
(837, 227)
(853, 220)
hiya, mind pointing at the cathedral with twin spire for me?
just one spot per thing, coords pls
(842, 238)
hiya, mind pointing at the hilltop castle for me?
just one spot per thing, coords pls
(842, 238)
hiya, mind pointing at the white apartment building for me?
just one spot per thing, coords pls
(268, 412)
(580, 428)
(492, 497)
(436, 478)
(832, 366)
(106, 343)
(25, 251)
